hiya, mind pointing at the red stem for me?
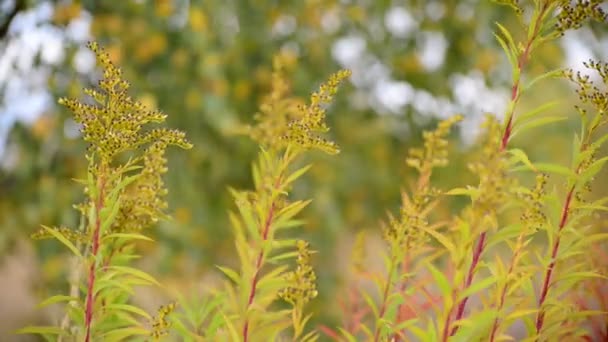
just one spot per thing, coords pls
(515, 92)
(384, 299)
(258, 266)
(540, 318)
(400, 318)
(99, 203)
(476, 257)
(503, 291)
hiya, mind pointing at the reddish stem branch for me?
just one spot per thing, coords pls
(258, 265)
(99, 203)
(402, 288)
(522, 60)
(387, 287)
(540, 318)
(479, 248)
(503, 291)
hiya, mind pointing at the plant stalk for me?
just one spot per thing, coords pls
(99, 203)
(515, 94)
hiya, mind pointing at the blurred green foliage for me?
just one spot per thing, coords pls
(208, 64)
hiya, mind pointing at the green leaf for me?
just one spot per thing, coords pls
(477, 286)
(296, 174)
(536, 122)
(291, 210)
(127, 236)
(136, 273)
(521, 156)
(441, 238)
(108, 218)
(115, 192)
(234, 335)
(508, 46)
(282, 256)
(57, 299)
(370, 302)
(548, 74)
(550, 168)
(231, 274)
(471, 192)
(273, 279)
(579, 276)
(520, 313)
(593, 169)
(41, 330)
(440, 279)
(123, 333)
(129, 308)
(63, 240)
(525, 116)
(349, 337)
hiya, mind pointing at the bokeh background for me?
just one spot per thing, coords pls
(207, 65)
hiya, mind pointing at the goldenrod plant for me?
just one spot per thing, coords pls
(124, 194)
(263, 223)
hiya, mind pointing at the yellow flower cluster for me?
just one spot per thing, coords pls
(301, 286)
(587, 91)
(114, 123)
(301, 132)
(494, 185)
(70, 234)
(434, 153)
(533, 216)
(276, 110)
(407, 231)
(573, 14)
(160, 325)
(143, 201)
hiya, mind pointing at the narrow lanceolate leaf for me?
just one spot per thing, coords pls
(521, 156)
(41, 330)
(291, 210)
(296, 174)
(509, 39)
(471, 192)
(135, 272)
(550, 168)
(273, 279)
(536, 122)
(109, 217)
(275, 259)
(348, 336)
(234, 335)
(477, 286)
(231, 274)
(530, 114)
(116, 191)
(56, 299)
(124, 333)
(129, 308)
(440, 280)
(543, 76)
(580, 276)
(593, 169)
(442, 239)
(63, 240)
(127, 236)
(507, 49)
(370, 302)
